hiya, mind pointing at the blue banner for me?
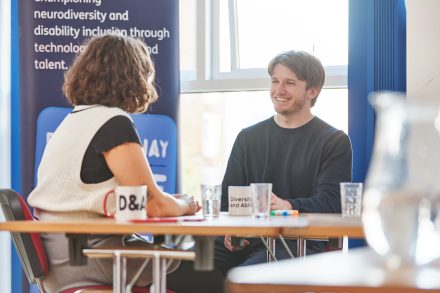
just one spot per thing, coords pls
(46, 36)
(52, 32)
(158, 134)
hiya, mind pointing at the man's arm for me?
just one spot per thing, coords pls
(235, 171)
(335, 167)
(235, 175)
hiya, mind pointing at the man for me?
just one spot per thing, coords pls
(302, 156)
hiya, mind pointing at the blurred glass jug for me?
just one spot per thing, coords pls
(402, 195)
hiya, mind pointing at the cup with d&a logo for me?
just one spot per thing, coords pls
(130, 203)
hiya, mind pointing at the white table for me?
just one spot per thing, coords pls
(359, 271)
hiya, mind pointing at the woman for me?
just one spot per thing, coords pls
(95, 149)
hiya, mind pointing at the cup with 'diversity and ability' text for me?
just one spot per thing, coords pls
(240, 200)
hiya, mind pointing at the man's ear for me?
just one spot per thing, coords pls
(312, 93)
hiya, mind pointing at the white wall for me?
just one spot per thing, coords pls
(5, 134)
(423, 49)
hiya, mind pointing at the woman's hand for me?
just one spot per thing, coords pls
(193, 206)
(129, 165)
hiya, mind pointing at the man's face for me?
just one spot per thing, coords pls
(288, 93)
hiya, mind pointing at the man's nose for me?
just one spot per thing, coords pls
(281, 89)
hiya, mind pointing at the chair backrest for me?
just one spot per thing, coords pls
(158, 134)
(29, 246)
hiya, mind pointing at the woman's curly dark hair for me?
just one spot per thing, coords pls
(113, 70)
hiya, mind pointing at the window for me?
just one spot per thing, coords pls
(226, 44)
(306, 25)
(225, 48)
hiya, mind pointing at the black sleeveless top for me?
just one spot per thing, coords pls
(114, 132)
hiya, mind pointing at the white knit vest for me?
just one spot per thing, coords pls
(60, 193)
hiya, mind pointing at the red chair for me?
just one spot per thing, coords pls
(30, 248)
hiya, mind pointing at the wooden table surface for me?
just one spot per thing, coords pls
(225, 224)
(304, 225)
(326, 225)
(361, 270)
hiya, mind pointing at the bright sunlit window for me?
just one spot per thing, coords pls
(265, 28)
(210, 122)
(225, 47)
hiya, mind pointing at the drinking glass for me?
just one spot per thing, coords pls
(261, 194)
(351, 198)
(211, 199)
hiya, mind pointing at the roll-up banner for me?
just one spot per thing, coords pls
(52, 32)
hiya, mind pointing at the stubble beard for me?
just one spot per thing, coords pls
(297, 106)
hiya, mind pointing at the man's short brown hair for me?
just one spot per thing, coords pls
(306, 67)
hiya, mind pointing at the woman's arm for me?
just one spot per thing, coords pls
(129, 165)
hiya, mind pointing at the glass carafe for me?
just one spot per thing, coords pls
(402, 195)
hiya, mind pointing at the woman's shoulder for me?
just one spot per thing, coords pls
(112, 111)
(97, 113)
